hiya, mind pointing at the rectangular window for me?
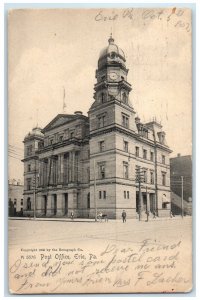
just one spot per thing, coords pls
(51, 142)
(104, 194)
(163, 178)
(28, 184)
(102, 171)
(125, 169)
(101, 146)
(15, 201)
(125, 146)
(72, 134)
(101, 121)
(124, 194)
(127, 194)
(163, 159)
(151, 156)
(145, 176)
(144, 153)
(29, 168)
(99, 194)
(21, 201)
(137, 151)
(125, 121)
(152, 177)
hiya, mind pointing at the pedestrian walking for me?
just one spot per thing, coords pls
(72, 216)
(124, 216)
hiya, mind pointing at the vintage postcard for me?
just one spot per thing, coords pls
(100, 144)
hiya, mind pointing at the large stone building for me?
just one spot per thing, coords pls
(96, 163)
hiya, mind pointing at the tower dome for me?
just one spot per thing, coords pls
(111, 49)
(111, 54)
(35, 133)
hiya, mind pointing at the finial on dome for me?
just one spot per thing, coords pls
(111, 40)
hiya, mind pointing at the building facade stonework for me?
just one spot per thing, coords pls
(97, 163)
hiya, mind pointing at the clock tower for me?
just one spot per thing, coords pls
(112, 120)
(111, 75)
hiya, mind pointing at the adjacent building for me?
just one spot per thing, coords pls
(104, 162)
(15, 198)
(181, 183)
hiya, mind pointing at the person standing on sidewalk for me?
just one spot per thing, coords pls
(124, 216)
(72, 216)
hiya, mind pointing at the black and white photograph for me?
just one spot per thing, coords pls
(100, 150)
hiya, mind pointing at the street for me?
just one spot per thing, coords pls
(37, 232)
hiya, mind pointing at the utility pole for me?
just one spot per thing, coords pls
(182, 196)
(95, 201)
(156, 173)
(34, 194)
(139, 179)
(147, 212)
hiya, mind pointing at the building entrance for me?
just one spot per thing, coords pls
(152, 203)
(66, 203)
(54, 204)
(45, 205)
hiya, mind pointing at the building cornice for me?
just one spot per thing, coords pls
(116, 128)
(71, 141)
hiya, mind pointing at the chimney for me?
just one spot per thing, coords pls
(78, 112)
(137, 120)
(178, 155)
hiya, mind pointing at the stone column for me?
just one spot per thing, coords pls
(39, 205)
(48, 172)
(72, 202)
(61, 167)
(73, 166)
(70, 167)
(60, 204)
(49, 205)
(51, 165)
(59, 170)
(40, 172)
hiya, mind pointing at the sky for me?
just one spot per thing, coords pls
(53, 50)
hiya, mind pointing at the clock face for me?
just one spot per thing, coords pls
(113, 76)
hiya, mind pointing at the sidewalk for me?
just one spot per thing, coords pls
(76, 220)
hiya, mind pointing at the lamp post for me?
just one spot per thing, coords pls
(182, 196)
(95, 200)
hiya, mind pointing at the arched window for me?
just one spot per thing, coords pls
(88, 200)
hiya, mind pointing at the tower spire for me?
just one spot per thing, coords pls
(111, 40)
